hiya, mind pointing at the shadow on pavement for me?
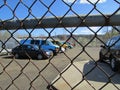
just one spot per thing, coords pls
(21, 58)
(96, 73)
(100, 72)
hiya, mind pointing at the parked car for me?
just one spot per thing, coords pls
(111, 52)
(44, 44)
(59, 43)
(31, 51)
(69, 45)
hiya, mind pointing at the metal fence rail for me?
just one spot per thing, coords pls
(79, 21)
(74, 69)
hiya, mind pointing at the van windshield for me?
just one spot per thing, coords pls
(36, 42)
(49, 43)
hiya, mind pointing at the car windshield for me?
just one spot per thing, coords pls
(113, 43)
(117, 44)
(110, 42)
(58, 43)
(62, 42)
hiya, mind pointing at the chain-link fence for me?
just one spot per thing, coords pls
(66, 36)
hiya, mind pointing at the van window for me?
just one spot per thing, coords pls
(47, 42)
(36, 42)
(25, 41)
(32, 42)
(43, 42)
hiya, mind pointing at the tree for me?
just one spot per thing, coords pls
(4, 35)
(113, 32)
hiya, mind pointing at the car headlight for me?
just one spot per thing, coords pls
(48, 53)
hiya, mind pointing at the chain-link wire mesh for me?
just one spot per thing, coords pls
(76, 27)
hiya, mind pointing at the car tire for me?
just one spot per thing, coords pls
(52, 54)
(16, 56)
(113, 64)
(39, 56)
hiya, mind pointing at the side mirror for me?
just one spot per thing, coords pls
(102, 46)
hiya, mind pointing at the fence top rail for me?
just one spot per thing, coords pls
(59, 22)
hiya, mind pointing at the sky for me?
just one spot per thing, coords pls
(14, 9)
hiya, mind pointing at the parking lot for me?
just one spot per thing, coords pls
(37, 74)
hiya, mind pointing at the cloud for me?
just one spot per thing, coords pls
(69, 1)
(86, 31)
(92, 1)
(85, 1)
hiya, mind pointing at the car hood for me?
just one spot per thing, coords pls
(56, 46)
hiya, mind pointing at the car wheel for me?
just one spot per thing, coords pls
(51, 54)
(113, 64)
(39, 57)
(16, 56)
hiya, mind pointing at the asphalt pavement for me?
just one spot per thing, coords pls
(25, 74)
(85, 75)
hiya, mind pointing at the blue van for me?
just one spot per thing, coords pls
(44, 44)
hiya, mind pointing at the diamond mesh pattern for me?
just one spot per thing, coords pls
(75, 69)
